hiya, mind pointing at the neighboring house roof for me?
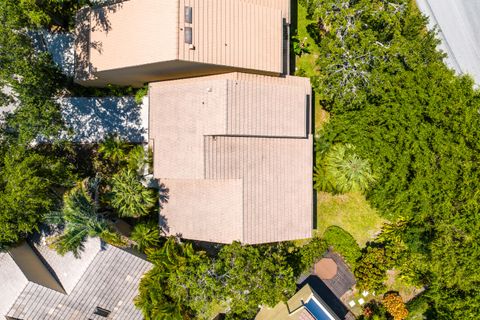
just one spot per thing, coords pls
(13, 282)
(235, 153)
(306, 304)
(90, 120)
(458, 24)
(140, 41)
(108, 278)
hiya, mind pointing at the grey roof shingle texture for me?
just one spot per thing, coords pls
(110, 281)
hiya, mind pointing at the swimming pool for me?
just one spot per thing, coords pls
(317, 310)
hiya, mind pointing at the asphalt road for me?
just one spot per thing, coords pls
(459, 29)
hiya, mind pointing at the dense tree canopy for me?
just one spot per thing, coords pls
(189, 284)
(31, 180)
(33, 161)
(392, 97)
(27, 181)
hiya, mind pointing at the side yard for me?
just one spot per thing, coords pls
(349, 211)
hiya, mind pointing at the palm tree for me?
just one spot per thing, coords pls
(152, 298)
(146, 235)
(342, 170)
(80, 219)
(114, 149)
(129, 196)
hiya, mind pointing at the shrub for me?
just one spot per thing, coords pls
(395, 306)
(129, 196)
(146, 235)
(373, 310)
(342, 171)
(343, 243)
(372, 267)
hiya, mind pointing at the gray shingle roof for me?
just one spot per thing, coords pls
(68, 269)
(110, 282)
(13, 282)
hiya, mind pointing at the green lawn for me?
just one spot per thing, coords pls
(305, 64)
(350, 212)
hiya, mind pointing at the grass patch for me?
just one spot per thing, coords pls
(351, 212)
(306, 64)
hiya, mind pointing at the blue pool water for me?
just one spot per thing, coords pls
(317, 311)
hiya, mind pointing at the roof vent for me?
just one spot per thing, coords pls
(102, 312)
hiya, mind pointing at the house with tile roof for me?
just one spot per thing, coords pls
(231, 133)
(40, 284)
(230, 130)
(139, 41)
(235, 152)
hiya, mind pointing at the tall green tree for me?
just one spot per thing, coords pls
(253, 276)
(34, 79)
(29, 185)
(392, 97)
(191, 284)
(80, 218)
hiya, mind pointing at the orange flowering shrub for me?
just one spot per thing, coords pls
(395, 306)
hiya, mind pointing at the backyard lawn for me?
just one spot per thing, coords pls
(350, 212)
